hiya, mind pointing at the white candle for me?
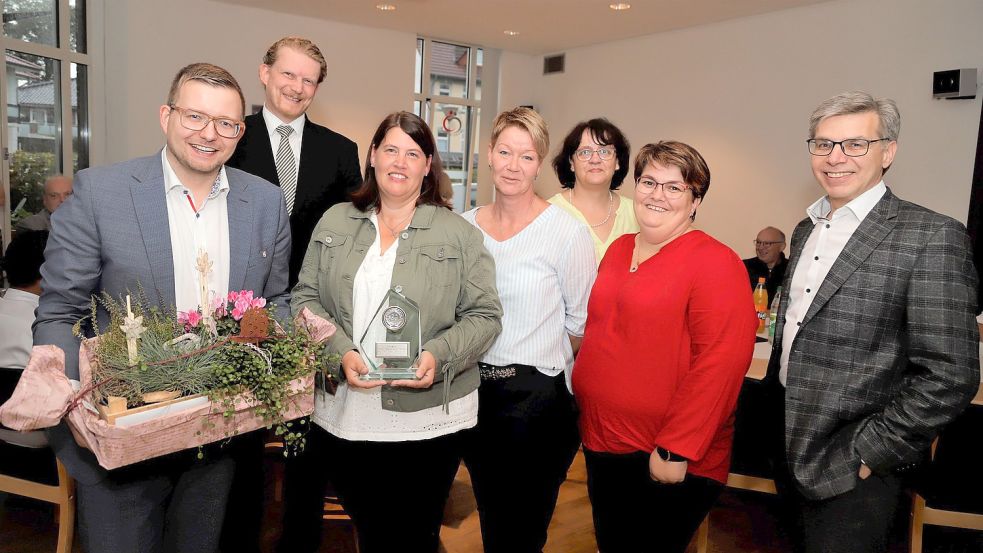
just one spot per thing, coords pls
(132, 328)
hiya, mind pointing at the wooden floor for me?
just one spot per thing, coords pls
(740, 522)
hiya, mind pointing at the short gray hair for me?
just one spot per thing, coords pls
(848, 103)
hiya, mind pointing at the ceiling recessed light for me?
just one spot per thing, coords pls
(386, 7)
(620, 6)
(512, 33)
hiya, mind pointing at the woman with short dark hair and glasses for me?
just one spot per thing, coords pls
(591, 165)
(669, 336)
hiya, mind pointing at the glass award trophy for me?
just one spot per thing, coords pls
(391, 342)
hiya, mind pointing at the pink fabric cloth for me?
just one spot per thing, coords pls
(44, 393)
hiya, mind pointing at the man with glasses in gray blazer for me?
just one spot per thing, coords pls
(876, 342)
(138, 226)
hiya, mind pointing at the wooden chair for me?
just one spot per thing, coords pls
(963, 431)
(61, 494)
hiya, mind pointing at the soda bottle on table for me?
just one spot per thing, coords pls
(773, 314)
(761, 303)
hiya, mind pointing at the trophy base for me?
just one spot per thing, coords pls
(390, 374)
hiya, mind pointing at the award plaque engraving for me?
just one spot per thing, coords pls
(391, 342)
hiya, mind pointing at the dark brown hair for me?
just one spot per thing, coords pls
(669, 153)
(367, 196)
(604, 133)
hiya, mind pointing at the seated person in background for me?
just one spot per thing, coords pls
(770, 261)
(57, 189)
(22, 267)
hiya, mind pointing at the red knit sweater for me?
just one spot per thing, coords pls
(665, 352)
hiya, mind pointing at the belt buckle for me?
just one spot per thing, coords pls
(496, 373)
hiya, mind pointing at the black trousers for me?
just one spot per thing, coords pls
(172, 504)
(306, 477)
(633, 513)
(858, 521)
(519, 455)
(244, 514)
(395, 492)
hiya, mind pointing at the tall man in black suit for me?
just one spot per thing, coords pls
(876, 342)
(315, 168)
(313, 165)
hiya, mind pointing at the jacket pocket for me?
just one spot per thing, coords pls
(442, 265)
(331, 245)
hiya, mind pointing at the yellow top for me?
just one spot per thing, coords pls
(624, 221)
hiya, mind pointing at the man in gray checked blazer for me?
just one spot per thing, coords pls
(876, 347)
(138, 226)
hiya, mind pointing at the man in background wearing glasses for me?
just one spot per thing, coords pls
(876, 338)
(137, 228)
(770, 261)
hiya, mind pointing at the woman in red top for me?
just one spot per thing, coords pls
(669, 337)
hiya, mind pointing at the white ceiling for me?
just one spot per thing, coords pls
(544, 26)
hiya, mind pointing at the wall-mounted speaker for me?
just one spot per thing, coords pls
(954, 84)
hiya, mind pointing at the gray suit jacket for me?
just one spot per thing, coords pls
(112, 235)
(887, 353)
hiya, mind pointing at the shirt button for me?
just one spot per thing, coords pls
(816, 258)
(197, 215)
(402, 260)
(405, 235)
(389, 402)
(808, 290)
(327, 240)
(798, 324)
(827, 225)
(185, 192)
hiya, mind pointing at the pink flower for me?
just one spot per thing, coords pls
(219, 308)
(258, 302)
(242, 304)
(232, 296)
(237, 313)
(189, 319)
(194, 318)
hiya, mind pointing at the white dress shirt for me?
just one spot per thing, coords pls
(16, 317)
(295, 138)
(193, 229)
(824, 245)
(544, 275)
(357, 414)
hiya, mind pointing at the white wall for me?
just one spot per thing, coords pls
(370, 71)
(741, 92)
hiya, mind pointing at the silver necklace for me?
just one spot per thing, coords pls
(610, 207)
(392, 230)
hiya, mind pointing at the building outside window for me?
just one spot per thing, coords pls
(45, 67)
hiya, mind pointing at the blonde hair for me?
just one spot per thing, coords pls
(302, 44)
(528, 120)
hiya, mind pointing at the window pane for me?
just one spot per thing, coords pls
(31, 20)
(80, 117)
(450, 126)
(475, 131)
(477, 84)
(418, 74)
(33, 120)
(76, 25)
(449, 69)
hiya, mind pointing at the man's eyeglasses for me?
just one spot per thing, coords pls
(672, 189)
(584, 154)
(196, 121)
(852, 147)
(761, 243)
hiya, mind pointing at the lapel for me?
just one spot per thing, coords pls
(241, 215)
(261, 150)
(310, 164)
(871, 232)
(150, 205)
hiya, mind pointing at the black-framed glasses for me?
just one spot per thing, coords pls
(196, 121)
(760, 243)
(852, 147)
(672, 189)
(584, 154)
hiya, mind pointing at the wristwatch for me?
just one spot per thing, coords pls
(669, 456)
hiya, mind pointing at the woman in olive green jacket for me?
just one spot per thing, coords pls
(392, 448)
